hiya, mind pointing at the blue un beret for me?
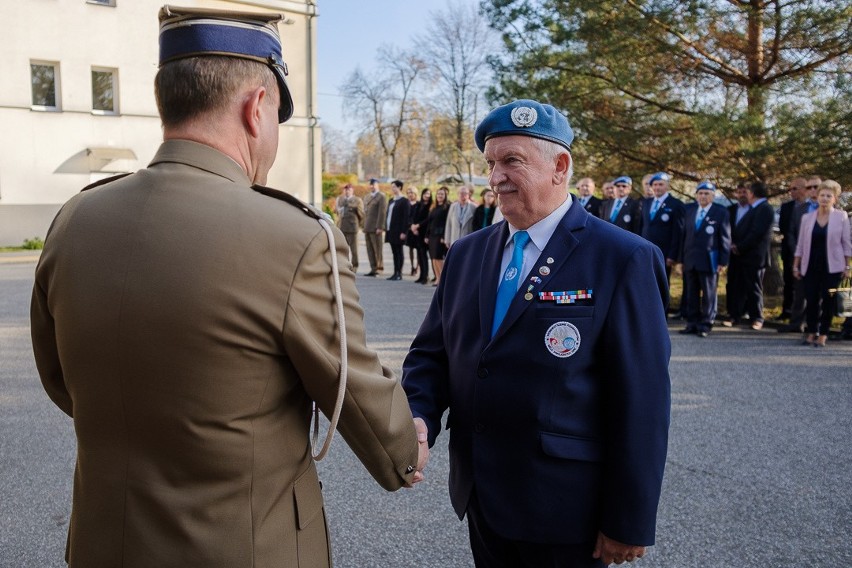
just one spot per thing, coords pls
(194, 32)
(525, 117)
(622, 179)
(659, 176)
(706, 185)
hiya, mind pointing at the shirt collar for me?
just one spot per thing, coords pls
(541, 232)
(663, 197)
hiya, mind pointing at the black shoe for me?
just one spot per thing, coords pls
(688, 331)
(790, 329)
(395, 276)
(371, 273)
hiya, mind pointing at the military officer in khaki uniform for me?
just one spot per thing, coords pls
(185, 319)
(375, 210)
(350, 218)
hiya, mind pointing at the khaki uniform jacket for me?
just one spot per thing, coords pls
(375, 210)
(185, 322)
(350, 213)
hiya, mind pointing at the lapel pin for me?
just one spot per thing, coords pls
(550, 260)
(544, 271)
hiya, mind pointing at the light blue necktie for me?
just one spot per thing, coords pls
(654, 208)
(509, 285)
(615, 209)
(699, 218)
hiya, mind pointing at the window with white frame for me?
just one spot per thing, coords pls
(45, 83)
(104, 90)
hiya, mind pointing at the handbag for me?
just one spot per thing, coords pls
(843, 298)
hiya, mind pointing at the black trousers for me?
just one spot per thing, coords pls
(700, 292)
(820, 304)
(735, 289)
(423, 261)
(490, 550)
(398, 257)
(753, 291)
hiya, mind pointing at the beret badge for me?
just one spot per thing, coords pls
(524, 117)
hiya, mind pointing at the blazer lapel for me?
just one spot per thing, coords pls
(562, 243)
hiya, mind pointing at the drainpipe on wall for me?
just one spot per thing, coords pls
(314, 197)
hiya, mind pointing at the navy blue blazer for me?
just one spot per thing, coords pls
(710, 243)
(629, 216)
(666, 228)
(558, 447)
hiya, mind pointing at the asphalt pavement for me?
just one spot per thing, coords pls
(758, 473)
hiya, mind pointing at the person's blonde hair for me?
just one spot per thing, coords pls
(831, 186)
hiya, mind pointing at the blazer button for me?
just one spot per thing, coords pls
(482, 372)
(480, 427)
(409, 469)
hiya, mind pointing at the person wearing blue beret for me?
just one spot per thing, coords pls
(705, 254)
(623, 211)
(554, 373)
(662, 220)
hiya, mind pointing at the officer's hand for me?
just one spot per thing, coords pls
(611, 551)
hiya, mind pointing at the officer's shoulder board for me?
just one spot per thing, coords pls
(305, 208)
(104, 182)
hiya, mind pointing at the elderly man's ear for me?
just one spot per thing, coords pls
(563, 165)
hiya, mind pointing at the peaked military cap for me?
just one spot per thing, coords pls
(525, 117)
(195, 32)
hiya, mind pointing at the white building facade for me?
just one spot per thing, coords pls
(77, 101)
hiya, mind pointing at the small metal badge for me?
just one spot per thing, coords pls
(710, 230)
(524, 117)
(535, 280)
(528, 296)
(544, 271)
(550, 260)
(665, 217)
(627, 218)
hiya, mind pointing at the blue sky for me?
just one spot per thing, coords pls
(349, 32)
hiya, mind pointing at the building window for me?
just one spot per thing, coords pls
(104, 90)
(45, 80)
(102, 2)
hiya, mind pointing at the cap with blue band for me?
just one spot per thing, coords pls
(706, 186)
(659, 176)
(623, 179)
(193, 32)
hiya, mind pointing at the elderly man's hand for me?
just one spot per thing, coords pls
(614, 552)
(423, 448)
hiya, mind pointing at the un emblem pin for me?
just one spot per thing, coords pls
(524, 117)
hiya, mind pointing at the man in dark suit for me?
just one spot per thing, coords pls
(706, 250)
(662, 220)
(789, 220)
(399, 209)
(751, 239)
(554, 371)
(623, 211)
(586, 194)
(735, 287)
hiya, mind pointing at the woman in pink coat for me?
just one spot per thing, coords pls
(823, 255)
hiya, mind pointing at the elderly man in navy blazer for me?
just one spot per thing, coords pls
(554, 372)
(706, 251)
(623, 211)
(662, 220)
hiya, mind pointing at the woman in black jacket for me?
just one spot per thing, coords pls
(483, 216)
(419, 218)
(436, 222)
